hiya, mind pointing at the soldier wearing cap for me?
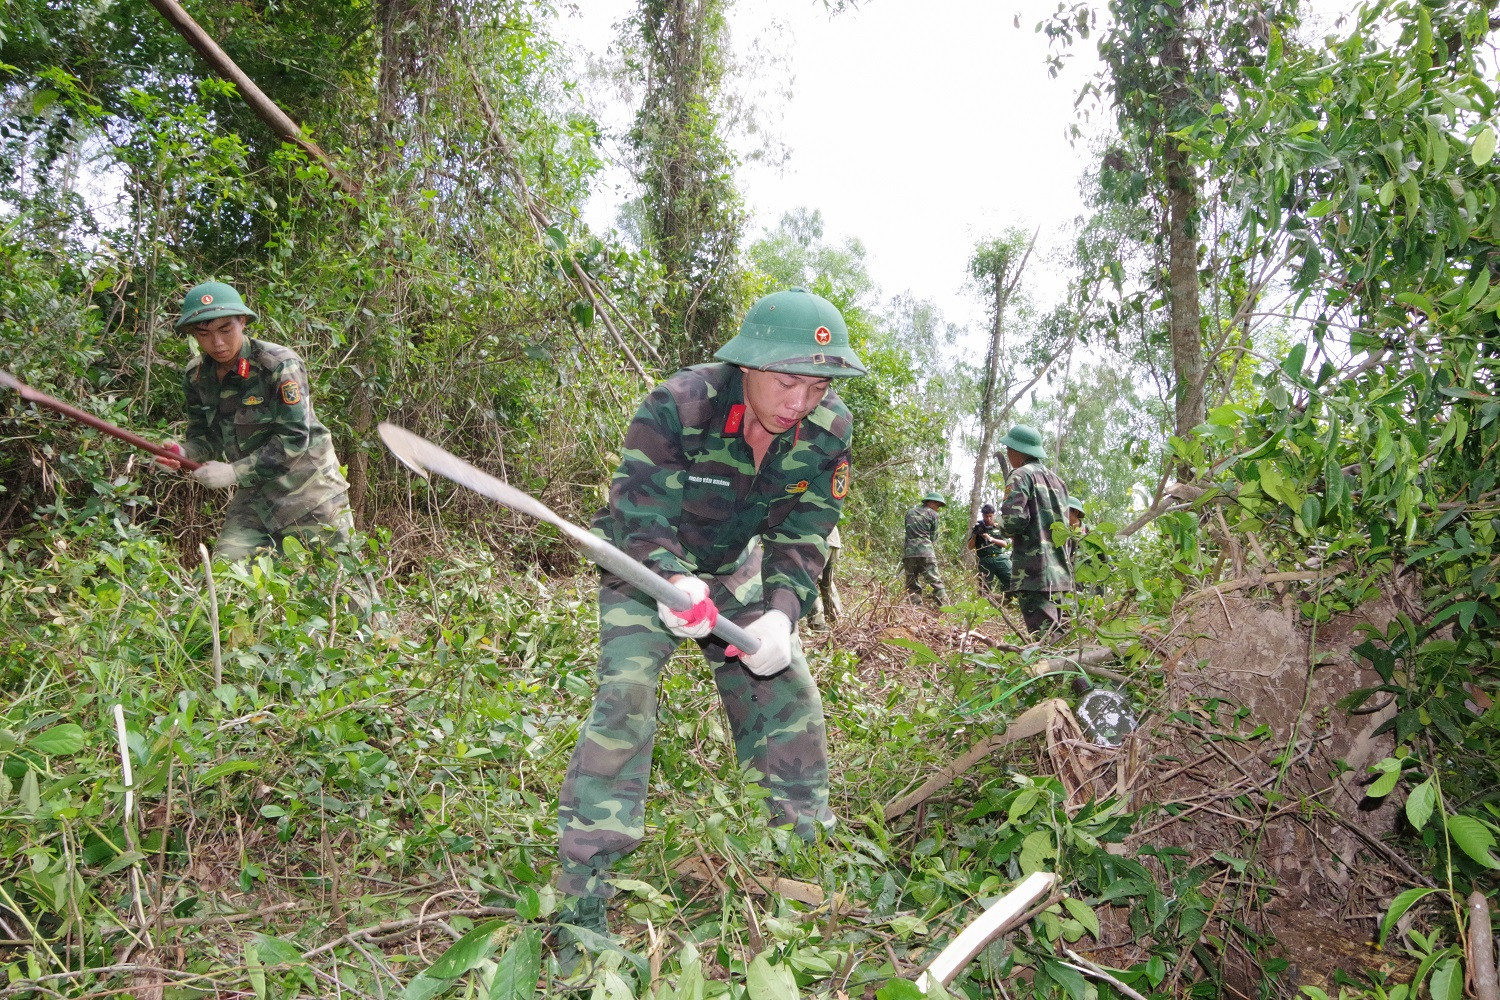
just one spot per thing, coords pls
(734, 475)
(991, 552)
(919, 554)
(250, 422)
(1035, 500)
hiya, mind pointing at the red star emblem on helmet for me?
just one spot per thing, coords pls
(206, 299)
(822, 335)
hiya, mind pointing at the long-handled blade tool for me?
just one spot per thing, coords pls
(26, 392)
(422, 456)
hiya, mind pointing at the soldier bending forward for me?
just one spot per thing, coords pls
(718, 456)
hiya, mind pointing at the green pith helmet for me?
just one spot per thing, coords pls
(1076, 504)
(936, 497)
(1026, 440)
(795, 332)
(211, 300)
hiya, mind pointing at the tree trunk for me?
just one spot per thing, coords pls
(987, 418)
(1185, 321)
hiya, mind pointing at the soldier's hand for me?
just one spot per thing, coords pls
(697, 621)
(774, 630)
(168, 463)
(215, 475)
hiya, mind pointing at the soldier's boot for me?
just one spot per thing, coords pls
(940, 597)
(587, 913)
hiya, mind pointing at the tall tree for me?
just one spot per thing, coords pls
(997, 266)
(1165, 65)
(694, 216)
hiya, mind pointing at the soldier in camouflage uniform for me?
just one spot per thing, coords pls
(251, 424)
(991, 552)
(719, 457)
(1035, 500)
(919, 555)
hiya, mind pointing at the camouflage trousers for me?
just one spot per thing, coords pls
(245, 530)
(994, 574)
(924, 569)
(777, 725)
(827, 607)
(1040, 612)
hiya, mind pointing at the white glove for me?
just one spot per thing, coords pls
(215, 475)
(774, 630)
(697, 621)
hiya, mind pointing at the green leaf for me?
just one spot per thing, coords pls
(765, 981)
(612, 987)
(276, 951)
(515, 977)
(467, 952)
(255, 970)
(583, 313)
(1420, 802)
(1398, 909)
(899, 989)
(1070, 980)
(690, 983)
(1292, 364)
(31, 795)
(122, 862)
(557, 238)
(1474, 838)
(1484, 147)
(64, 739)
(228, 767)
(1083, 913)
(1312, 512)
(424, 987)
(1384, 784)
(1447, 982)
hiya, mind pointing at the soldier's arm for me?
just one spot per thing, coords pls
(645, 495)
(291, 433)
(796, 549)
(195, 446)
(1015, 509)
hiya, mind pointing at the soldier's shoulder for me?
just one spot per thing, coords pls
(832, 417)
(193, 366)
(272, 356)
(696, 392)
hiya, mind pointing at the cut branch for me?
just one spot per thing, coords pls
(265, 109)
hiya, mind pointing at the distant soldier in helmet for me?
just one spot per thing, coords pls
(719, 457)
(1035, 500)
(919, 555)
(250, 422)
(991, 552)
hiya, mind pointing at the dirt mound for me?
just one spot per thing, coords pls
(1259, 772)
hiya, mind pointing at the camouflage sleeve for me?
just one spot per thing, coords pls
(1015, 509)
(797, 548)
(292, 436)
(645, 495)
(195, 442)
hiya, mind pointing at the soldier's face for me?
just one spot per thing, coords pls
(779, 401)
(222, 338)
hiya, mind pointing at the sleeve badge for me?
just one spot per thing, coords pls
(839, 484)
(291, 392)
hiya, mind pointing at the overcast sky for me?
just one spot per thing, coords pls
(919, 126)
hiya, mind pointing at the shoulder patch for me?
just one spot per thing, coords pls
(291, 392)
(838, 485)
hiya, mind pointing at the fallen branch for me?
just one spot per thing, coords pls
(1098, 972)
(1004, 914)
(408, 923)
(700, 869)
(1261, 579)
(1032, 722)
(267, 110)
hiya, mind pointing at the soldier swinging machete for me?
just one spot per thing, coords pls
(422, 456)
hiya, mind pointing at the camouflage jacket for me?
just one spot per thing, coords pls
(1035, 500)
(921, 532)
(259, 418)
(990, 543)
(687, 497)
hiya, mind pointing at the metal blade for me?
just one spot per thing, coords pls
(422, 457)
